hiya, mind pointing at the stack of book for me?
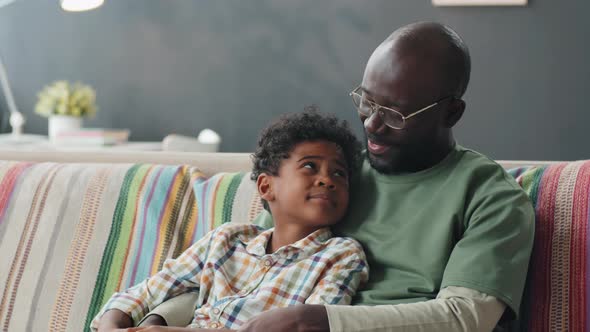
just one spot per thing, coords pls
(92, 137)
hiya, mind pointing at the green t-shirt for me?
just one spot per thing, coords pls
(464, 222)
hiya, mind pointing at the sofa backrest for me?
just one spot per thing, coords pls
(208, 163)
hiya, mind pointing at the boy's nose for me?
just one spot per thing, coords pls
(326, 182)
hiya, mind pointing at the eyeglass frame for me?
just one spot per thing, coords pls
(373, 106)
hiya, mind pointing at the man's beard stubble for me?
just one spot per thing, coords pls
(386, 165)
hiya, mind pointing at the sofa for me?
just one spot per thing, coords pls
(77, 226)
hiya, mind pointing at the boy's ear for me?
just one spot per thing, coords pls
(264, 185)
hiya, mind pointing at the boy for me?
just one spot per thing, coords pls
(302, 168)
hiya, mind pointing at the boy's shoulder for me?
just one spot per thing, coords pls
(232, 229)
(345, 244)
(342, 240)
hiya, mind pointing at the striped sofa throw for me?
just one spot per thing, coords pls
(557, 292)
(73, 234)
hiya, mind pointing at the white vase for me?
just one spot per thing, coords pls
(58, 123)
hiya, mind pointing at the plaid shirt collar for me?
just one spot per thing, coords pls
(303, 248)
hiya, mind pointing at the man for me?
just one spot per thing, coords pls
(447, 232)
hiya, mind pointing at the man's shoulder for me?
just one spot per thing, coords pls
(495, 193)
(486, 171)
(476, 158)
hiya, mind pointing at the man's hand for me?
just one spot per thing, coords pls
(306, 317)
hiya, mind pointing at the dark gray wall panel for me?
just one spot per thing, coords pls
(183, 65)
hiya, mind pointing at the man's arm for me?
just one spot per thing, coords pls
(455, 309)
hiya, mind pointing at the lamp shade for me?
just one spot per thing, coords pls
(80, 5)
(5, 2)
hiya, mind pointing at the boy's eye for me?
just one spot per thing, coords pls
(340, 173)
(309, 165)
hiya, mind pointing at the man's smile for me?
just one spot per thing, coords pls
(377, 148)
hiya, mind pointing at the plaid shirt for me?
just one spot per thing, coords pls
(236, 279)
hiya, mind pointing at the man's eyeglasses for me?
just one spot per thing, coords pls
(392, 118)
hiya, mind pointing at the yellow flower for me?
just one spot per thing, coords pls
(63, 98)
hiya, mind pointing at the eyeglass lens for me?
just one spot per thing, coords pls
(366, 108)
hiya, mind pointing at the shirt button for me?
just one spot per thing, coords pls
(214, 325)
(267, 263)
(216, 311)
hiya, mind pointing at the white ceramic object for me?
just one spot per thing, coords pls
(58, 123)
(207, 141)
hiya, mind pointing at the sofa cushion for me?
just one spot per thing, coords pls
(72, 234)
(557, 286)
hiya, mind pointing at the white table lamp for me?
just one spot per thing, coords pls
(17, 119)
(80, 5)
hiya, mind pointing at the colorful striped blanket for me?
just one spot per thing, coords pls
(557, 292)
(72, 234)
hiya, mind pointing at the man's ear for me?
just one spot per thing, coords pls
(454, 112)
(264, 185)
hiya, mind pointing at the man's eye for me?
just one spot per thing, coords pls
(365, 102)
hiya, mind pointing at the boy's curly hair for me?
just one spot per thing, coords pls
(278, 140)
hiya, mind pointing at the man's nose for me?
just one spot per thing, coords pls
(374, 123)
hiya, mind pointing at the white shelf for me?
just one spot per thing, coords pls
(27, 142)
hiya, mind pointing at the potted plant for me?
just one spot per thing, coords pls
(66, 104)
